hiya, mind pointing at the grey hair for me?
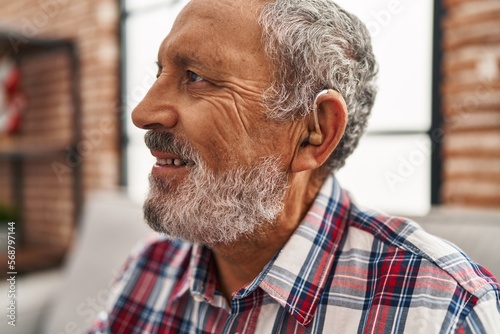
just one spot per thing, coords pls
(314, 45)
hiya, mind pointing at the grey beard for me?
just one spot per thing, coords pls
(217, 209)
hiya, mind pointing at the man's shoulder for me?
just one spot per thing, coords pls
(405, 243)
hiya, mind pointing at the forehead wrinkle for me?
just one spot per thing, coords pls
(169, 48)
(176, 50)
(229, 16)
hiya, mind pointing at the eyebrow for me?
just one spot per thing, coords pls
(176, 55)
(183, 60)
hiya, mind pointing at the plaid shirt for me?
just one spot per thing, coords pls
(344, 270)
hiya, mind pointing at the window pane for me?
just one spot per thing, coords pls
(402, 36)
(390, 173)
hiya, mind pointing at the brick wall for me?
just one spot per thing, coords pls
(5, 185)
(94, 26)
(471, 96)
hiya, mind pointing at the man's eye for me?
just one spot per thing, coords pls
(193, 77)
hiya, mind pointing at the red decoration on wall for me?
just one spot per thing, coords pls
(11, 98)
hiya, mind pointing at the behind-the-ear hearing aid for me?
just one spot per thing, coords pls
(316, 137)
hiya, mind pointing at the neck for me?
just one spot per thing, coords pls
(239, 263)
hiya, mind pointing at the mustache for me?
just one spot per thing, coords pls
(165, 142)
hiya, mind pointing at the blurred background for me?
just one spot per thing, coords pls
(73, 168)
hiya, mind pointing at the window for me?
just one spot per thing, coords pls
(391, 168)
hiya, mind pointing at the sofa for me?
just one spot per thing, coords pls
(66, 300)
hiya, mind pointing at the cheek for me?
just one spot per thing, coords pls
(219, 138)
(233, 119)
(230, 132)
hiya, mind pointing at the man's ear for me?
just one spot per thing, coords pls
(317, 147)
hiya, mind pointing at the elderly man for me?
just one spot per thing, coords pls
(256, 105)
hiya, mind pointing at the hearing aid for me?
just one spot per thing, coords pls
(315, 136)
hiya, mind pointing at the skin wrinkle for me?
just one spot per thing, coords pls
(237, 100)
(246, 128)
(234, 113)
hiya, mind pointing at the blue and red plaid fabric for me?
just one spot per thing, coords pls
(344, 270)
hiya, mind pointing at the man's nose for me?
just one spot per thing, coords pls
(156, 111)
